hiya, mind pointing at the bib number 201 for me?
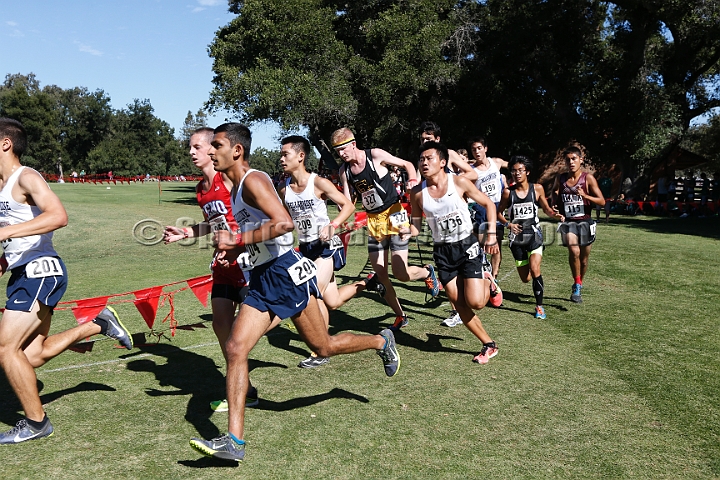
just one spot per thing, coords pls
(302, 271)
(43, 267)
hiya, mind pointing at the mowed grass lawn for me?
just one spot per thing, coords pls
(624, 385)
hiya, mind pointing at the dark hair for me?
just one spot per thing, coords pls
(14, 130)
(237, 133)
(299, 144)
(438, 147)
(477, 139)
(572, 149)
(430, 127)
(522, 160)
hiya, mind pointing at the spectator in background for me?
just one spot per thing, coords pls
(662, 189)
(689, 187)
(605, 184)
(672, 189)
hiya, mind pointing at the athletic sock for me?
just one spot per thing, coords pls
(538, 289)
(37, 425)
(237, 440)
(102, 323)
(578, 280)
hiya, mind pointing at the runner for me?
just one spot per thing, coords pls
(463, 272)
(576, 191)
(525, 237)
(229, 287)
(366, 171)
(282, 284)
(29, 213)
(304, 195)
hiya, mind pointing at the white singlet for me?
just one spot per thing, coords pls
(19, 251)
(249, 218)
(448, 216)
(309, 213)
(490, 182)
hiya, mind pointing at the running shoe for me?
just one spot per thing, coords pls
(540, 312)
(22, 432)
(251, 400)
(496, 295)
(115, 329)
(372, 284)
(389, 353)
(489, 350)
(313, 361)
(453, 320)
(222, 447)
(576, 295)
(432, 282)
(400, 322)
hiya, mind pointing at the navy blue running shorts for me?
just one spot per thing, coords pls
(333, 249)
(48, 289)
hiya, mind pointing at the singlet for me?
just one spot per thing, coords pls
(574, 207)
(377, 194)
(490, 182)
(250, 218)
(309, 213)
(21, 250)
(524, 211)
(217, 210)
(448, 216)
(215, 205)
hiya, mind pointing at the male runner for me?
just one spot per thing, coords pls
(457, 253)
(282, 284)
(228, 290)
(525, 237)
(29, 213)
(577, 191)
(366, 171)
(492, 183)
(304, 195)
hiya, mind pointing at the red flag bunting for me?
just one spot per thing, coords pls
(147, 303)
(88, 308)
(201, 287)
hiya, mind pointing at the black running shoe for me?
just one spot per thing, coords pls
(372, 284)
(22, 432)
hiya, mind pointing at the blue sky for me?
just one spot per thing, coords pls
(151, 49)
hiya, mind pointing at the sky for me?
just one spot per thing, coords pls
(151, 49)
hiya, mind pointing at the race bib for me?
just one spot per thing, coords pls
(489, 188)
(449, 223)
(592, 229)
(43, 267)
(302, 271)
(523, 211)
(371, 199)
(219, 223)
(335, 243)
(304, 224)
(473, 251)
(254, 254)
(574, 206)
(399, 219)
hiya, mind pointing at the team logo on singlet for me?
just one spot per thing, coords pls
(214, 208)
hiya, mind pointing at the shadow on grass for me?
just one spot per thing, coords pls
(190, 374)
(208, 462)
(703, 227)
(10, 406)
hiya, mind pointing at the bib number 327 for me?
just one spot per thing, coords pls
(43, 267)
(302, 271)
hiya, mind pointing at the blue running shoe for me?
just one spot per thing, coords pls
(576, 295)
(540, 312)
(432, 282)
(389, 353)
(22, 432)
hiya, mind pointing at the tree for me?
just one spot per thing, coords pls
(191, 124)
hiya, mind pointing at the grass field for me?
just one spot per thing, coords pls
(624, 385)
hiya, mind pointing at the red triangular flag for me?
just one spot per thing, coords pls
(82, 347)
(147, 303)
(201, 287)
(345, 238)
(88, 308)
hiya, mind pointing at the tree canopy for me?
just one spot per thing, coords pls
(624, 77)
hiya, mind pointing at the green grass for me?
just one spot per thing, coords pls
(624, 385)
